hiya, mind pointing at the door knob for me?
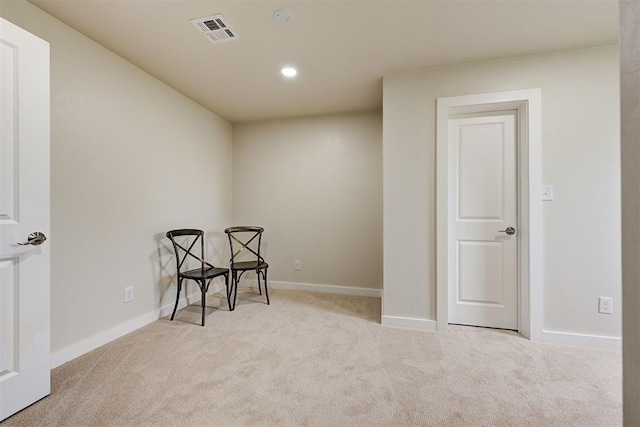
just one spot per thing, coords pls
(509, 231)
(35, 238)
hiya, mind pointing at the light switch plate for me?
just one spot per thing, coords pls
(547, 192)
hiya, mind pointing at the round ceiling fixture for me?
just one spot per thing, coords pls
(289, 72)
(282, 16)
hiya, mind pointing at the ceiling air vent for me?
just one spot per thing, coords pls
(215, 28)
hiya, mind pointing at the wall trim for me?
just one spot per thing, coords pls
(63, 356)
(67, 354)
(409, 323)
(582, 340)
(324, 289)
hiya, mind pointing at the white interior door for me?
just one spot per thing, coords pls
(484, 289)
(24, 208)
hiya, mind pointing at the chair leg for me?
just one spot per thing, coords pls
(203, 288)
(258, 276)
(226, 285)
(234, 285)
(179, 286)
(266, 290)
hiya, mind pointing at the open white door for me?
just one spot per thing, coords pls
(24, 209)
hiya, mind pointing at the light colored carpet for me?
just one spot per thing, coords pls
(324, 360)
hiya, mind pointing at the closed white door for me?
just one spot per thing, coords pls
(24, 209)
(484, 289)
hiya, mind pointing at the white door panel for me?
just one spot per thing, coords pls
(24, 208)
(484, 291)
(480, 169)
(480, 272)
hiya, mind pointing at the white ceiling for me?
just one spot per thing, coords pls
(341, 48)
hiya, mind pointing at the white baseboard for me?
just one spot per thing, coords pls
(325, 289)
(61, 357)
(409, 323)
(593, 341)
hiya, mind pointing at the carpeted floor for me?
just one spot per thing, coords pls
(324, 360)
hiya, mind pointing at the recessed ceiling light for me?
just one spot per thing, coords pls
(289, 72)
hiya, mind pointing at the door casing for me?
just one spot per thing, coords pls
(527, 104)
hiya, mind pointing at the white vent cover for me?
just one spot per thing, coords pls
(215, 28)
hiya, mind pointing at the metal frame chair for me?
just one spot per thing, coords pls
(241, 239)
(202, 275)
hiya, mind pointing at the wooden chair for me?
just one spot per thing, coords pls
(244, 242)
(185, 244)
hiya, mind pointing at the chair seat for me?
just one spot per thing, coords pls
(249, 265)
(198, 273)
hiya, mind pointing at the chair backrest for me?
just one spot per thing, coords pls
(185, 244)
(244, 242)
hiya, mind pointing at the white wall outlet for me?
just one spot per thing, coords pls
(547, 193)
(605, 305)
(128, 294)
(297, 265)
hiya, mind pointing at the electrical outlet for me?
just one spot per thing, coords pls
(128, 294)
(605, 305)
(297, 265)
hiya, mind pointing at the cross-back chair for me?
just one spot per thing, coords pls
(186, 243)
(244, 242)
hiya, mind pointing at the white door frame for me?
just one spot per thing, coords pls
(527, 103)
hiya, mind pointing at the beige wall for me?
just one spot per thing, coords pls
(130, 159)
(580, 149)
(630, 104)
(315, 185)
